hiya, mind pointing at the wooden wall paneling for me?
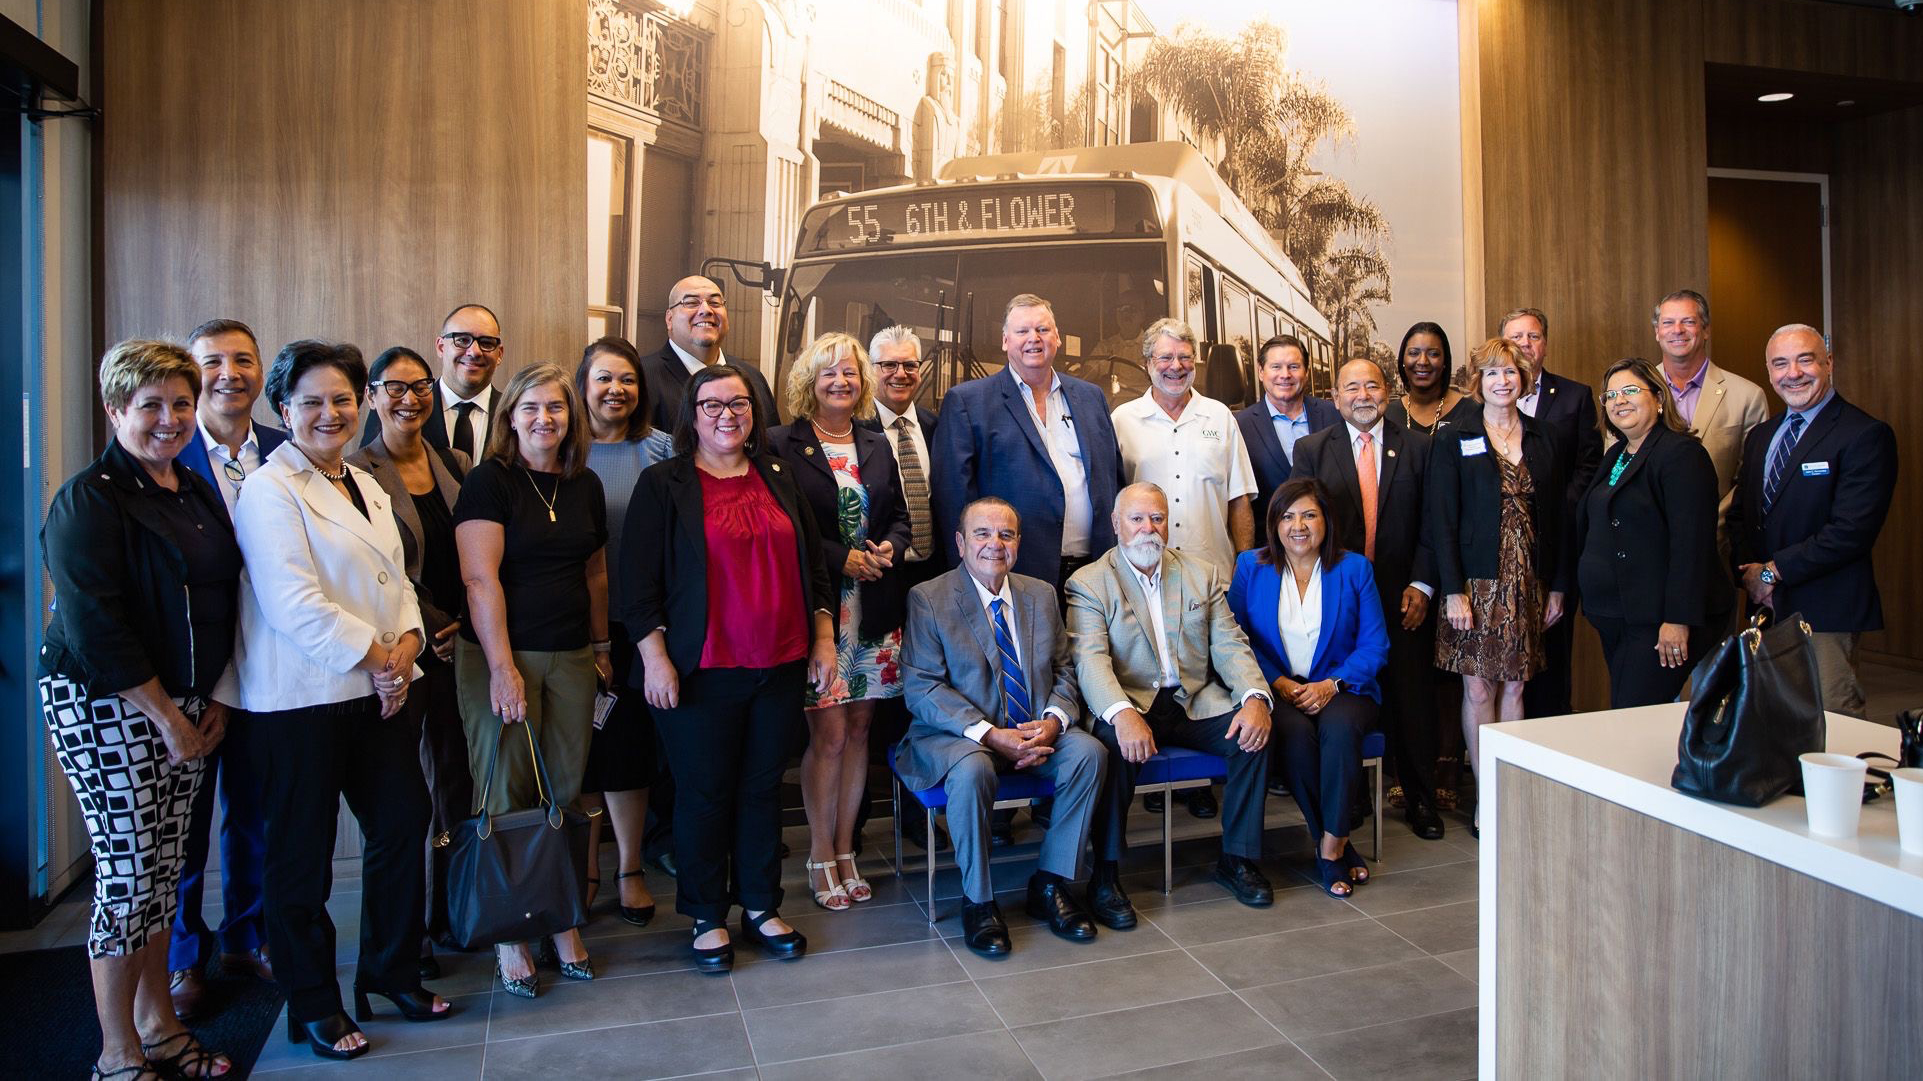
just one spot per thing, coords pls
(346, 169)
(1877, 259)
(1805, 35)
(1629, 948)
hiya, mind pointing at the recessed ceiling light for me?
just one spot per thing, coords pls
(1847, 101)
(1784, 96)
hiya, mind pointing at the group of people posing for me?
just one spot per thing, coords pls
(413, 595)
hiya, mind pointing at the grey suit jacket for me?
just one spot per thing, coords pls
(951, 670)
(1115, 657)
(436, 612)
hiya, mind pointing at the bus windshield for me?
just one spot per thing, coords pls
(1104, 295)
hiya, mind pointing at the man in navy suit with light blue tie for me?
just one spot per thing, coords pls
(1286, 413)
(1812, 494)
(227, 448)
(1036, 438)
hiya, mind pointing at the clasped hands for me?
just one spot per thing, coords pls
(1027, 743)
(866, 564)
(392, 670)
(1249, 728)
(1455, 609)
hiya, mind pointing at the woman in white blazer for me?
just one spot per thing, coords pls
(329, 629)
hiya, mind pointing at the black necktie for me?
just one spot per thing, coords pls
(463, 440)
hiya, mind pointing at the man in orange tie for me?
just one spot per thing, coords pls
(1373, 470)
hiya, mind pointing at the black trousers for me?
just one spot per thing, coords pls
(1324, 755)
(1242, 795)
(450, 783)
(727, 744)
(1550, 693)
(1636, 678)
(1410, 725)
(307, 760)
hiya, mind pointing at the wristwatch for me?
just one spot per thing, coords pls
(1339, 686)
(1768, 575)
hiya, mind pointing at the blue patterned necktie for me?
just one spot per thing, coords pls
(1779, 462)
(1014, 682)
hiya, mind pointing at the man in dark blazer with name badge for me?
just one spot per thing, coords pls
(697, 322)
(1287, 413)
(470, 348)
(1566, 409)
(1036, 438)
(1811, 497)
(1396, 542)
(987, 671)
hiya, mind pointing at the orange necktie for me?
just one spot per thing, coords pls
(1365, 472)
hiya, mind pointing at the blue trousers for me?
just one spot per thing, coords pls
(1323, 756)
(243, 856)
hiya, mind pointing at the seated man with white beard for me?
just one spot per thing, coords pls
(1162, 662)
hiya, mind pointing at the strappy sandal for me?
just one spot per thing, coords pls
(858, 888)
(835, 897)
(192, 1060)
(714, 960)
(1353, 860)
(1334, 875)
(638, 915)
(137, 1072)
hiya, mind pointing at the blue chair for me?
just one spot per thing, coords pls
(1012, 789)
(1374, 746)
(1171, 770)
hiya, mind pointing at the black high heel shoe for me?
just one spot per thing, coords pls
(785, 947)
(415, 1005)
(322, 1035)
(637, 916)
(715, 960)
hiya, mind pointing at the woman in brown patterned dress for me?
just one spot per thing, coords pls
(1499, 540)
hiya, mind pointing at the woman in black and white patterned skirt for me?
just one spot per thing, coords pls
(145, 571)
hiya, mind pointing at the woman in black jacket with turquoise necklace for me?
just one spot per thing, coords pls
(1651, 580)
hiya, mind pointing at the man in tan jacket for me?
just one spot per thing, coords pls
(1720, 407)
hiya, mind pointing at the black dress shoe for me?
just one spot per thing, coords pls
(1050, 899)
(1202, 803)
(1424, 821)
(1243, 879)
(1152, 803)
(665, 864)
(983, 928)
(1001, 834)
(713, 960)
(1279, 788)
(1108, 903)
(787, 946)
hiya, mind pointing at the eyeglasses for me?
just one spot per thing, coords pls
(396, 388)
(1628, 394)
(692, 304)
(488, 342)
(232, 470)
(713, 407)
(906, 367)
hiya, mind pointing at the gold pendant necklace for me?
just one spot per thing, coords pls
(545, 501)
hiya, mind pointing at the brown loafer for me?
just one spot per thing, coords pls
(189, 991)
(252, 963)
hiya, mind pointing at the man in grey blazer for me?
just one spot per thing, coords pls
(986, 672)
(1161, 660)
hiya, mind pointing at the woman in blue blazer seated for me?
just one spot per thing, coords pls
(1311, 613)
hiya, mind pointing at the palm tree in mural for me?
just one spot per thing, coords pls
(1354, 281)
(1271, 123)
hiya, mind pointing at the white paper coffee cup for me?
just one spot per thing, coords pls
(1908, 783)
(1833, 793)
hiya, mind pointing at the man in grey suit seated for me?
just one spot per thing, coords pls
(1162, 661)
(986, 672)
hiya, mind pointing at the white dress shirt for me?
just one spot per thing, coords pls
(919, 439)
(479, 418)
(1065, 454)
(217, 456)
(688, 359)
(1199, 460)
(1007, 596)
(1299, 618)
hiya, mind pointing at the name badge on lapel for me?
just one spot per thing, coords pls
(1473, 447)
(1816, 469)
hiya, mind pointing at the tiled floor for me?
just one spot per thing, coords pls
(1312, 987)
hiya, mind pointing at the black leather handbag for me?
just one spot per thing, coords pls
(517, 876)
(1755, 705)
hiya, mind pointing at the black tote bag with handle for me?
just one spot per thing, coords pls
(518, 876)
(1755, 705)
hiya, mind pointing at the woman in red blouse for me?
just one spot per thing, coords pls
(726, 586)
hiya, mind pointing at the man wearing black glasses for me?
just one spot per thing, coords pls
(697, 322)
(470, 348)
(228, 447)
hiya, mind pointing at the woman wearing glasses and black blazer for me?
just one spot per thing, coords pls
(423, 481)
(726, 589)
(1652, 583)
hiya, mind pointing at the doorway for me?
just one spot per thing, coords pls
(1769, 261)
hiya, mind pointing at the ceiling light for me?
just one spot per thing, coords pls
(1847, 101)
(1780, 96)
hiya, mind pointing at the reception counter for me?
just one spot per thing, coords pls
(1628, 930)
